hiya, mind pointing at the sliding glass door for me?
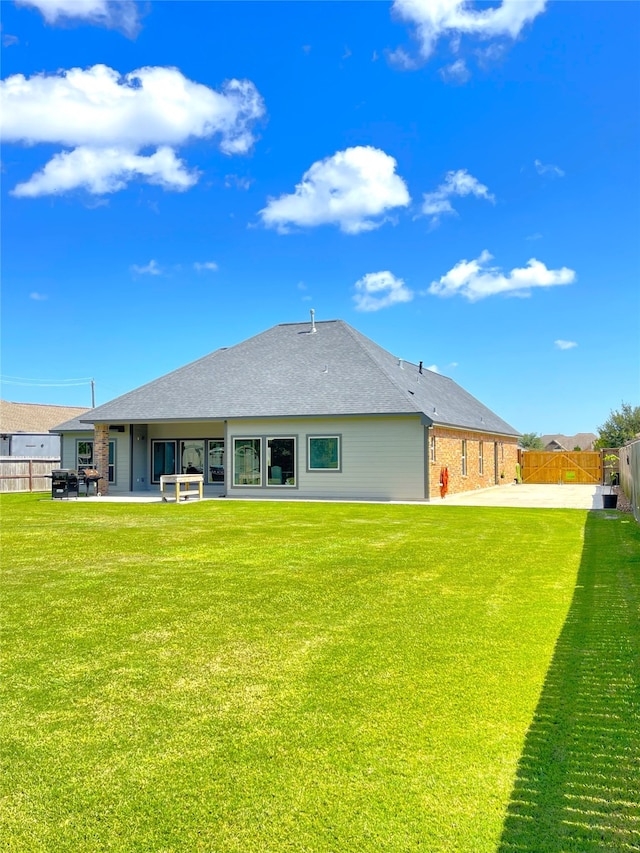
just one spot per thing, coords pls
(216, 460)
(163, 455)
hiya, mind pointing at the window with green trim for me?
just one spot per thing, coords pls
(324, 453)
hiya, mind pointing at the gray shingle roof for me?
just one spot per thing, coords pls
(289, 371)
(75, 424)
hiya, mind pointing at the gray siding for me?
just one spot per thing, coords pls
(382, 458)
(33, 444)
(123, 462)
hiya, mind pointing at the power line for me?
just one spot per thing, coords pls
(44, 381)
(53, 383)
(45, 384)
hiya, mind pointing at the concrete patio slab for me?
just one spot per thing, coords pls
(553, 497)
(566, 496)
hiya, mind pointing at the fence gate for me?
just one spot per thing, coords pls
(558, 466)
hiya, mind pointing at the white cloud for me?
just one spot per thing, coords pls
(491, 55)
(237, 181)
(377, 290)
(460, 183)
(121, 15)
(401, 59)
(476, 279)
(150, 106)
(151, 268)
(433, 368)
(456, 73)
(436, 18)
(549, 169)
(347, 190)
(106, 170)
(104, 116)
(38, 297)
(9, 40)
(206, 266)
(560, 344)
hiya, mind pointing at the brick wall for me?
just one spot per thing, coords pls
(448, 454)
(101, 455)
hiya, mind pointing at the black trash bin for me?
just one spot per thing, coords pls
(64, 483)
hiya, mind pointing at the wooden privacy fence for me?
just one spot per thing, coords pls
(548, 467)
(630, 474)
(18, 474)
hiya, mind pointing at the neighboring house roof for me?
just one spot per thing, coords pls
(583, 440)
(34, 417)
(290, 371)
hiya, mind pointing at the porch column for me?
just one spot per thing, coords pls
(101, 455)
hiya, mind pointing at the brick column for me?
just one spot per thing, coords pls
(101, 455)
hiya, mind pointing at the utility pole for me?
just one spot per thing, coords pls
(93, 393)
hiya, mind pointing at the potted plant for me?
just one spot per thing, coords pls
(610, 498)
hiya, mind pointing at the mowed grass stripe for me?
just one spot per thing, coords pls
(273, 677)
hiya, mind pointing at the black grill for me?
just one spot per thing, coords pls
(64, 483)
(89, 477)
(67, 483)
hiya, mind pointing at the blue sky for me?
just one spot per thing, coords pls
(460, 182)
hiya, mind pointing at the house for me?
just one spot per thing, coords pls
(25, 428)
(581, 441)
(302, 410)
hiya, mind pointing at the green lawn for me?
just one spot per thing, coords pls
(319, 678)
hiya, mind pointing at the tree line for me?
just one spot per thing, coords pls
(621, 427)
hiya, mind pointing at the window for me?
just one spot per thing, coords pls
(247, 468)
(84, 454)
(323, 453)
(192, 456)
(481, 457)
(216, 460)
(112, 462)
(85, 459)
(464, 457)
(163, 456)
(281, 461)
(432, 443)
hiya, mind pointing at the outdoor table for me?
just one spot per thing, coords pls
(184, 485)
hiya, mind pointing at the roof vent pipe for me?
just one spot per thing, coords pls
(313, 322)
(420, 368)
(400, 364)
